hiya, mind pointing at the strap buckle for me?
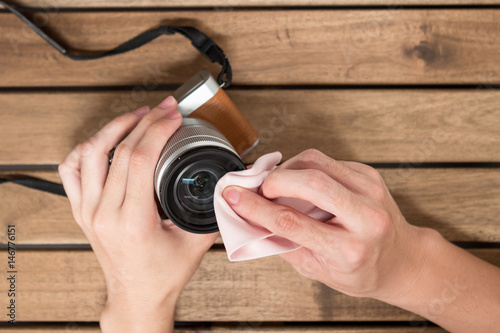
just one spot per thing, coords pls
(204, 46)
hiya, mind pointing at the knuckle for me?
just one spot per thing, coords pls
(376, 191)
(139, 158)
(373, 173)
(314, 159)
(287, 222)
(62, 168)
(343, 169)
(356, 255)
(311, 155)
(317, 181)
(122, 153)
(311, 158)
(150, 117)
(380, 222)
(250, 204)
(159, 126)
(270, 183)
(86, 148)
(97, 223)
(365, 169)
(309, 265)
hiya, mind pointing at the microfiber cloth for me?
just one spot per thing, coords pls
(245, 240)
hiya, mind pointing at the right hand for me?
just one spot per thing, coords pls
(367, 249)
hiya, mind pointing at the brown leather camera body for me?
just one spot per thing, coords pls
(202, 98)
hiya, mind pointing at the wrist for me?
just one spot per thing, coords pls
(138, 314)
(418, 249)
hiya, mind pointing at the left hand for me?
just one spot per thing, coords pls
(146, 261)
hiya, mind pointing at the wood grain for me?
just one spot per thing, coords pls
(298, 47)
(244, 328)
(69, 286)
(327, 46)
(401, 126)
(462, 204)
(49, 219)
(242, 3)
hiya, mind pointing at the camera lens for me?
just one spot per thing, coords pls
(195, 189)
(190, 165)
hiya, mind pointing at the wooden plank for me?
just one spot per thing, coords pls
(241, 3)
(244, 328)
(401, 126)
(69, 286)
(293, 47)
(462, 204)
(49, 221)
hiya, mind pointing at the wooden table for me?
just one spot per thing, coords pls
(412, 90)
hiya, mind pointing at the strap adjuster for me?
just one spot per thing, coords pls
(204, 46)
(166, 30)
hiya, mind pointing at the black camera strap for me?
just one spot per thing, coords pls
(35, 183)
(204, 44)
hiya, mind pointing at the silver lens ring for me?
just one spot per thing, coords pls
(193, 133)
(197, 155)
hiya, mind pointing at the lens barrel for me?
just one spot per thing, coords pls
(192, 161)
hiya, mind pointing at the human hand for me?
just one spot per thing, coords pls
(146, 260)
(367, 249)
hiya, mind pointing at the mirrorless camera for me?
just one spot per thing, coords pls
(211, 141)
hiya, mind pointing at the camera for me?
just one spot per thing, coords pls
(211, 141)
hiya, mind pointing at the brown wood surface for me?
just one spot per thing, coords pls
(276, 47)
(460, 203)
(383, 46)
(244, 328)
(239, 3)
(69, 286)
(401, 126)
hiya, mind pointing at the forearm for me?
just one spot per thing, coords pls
(454, 289)
(141, 316)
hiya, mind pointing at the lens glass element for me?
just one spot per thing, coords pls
(196, 184)
(188, 184)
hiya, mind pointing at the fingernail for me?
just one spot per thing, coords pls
(167, 102)
(231, 195)
(142, 111)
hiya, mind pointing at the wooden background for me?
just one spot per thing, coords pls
(410, 86)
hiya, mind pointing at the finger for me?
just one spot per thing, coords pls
(314, 186)
(338, 170)
(364, 169)
(69, 171)
(140, 189)
(95, 154)
(304, 260)
(281, 220)
(116, 183)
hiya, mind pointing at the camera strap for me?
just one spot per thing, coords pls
(35, 183)
(204, 44)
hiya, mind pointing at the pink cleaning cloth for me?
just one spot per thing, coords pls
(245, 240)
